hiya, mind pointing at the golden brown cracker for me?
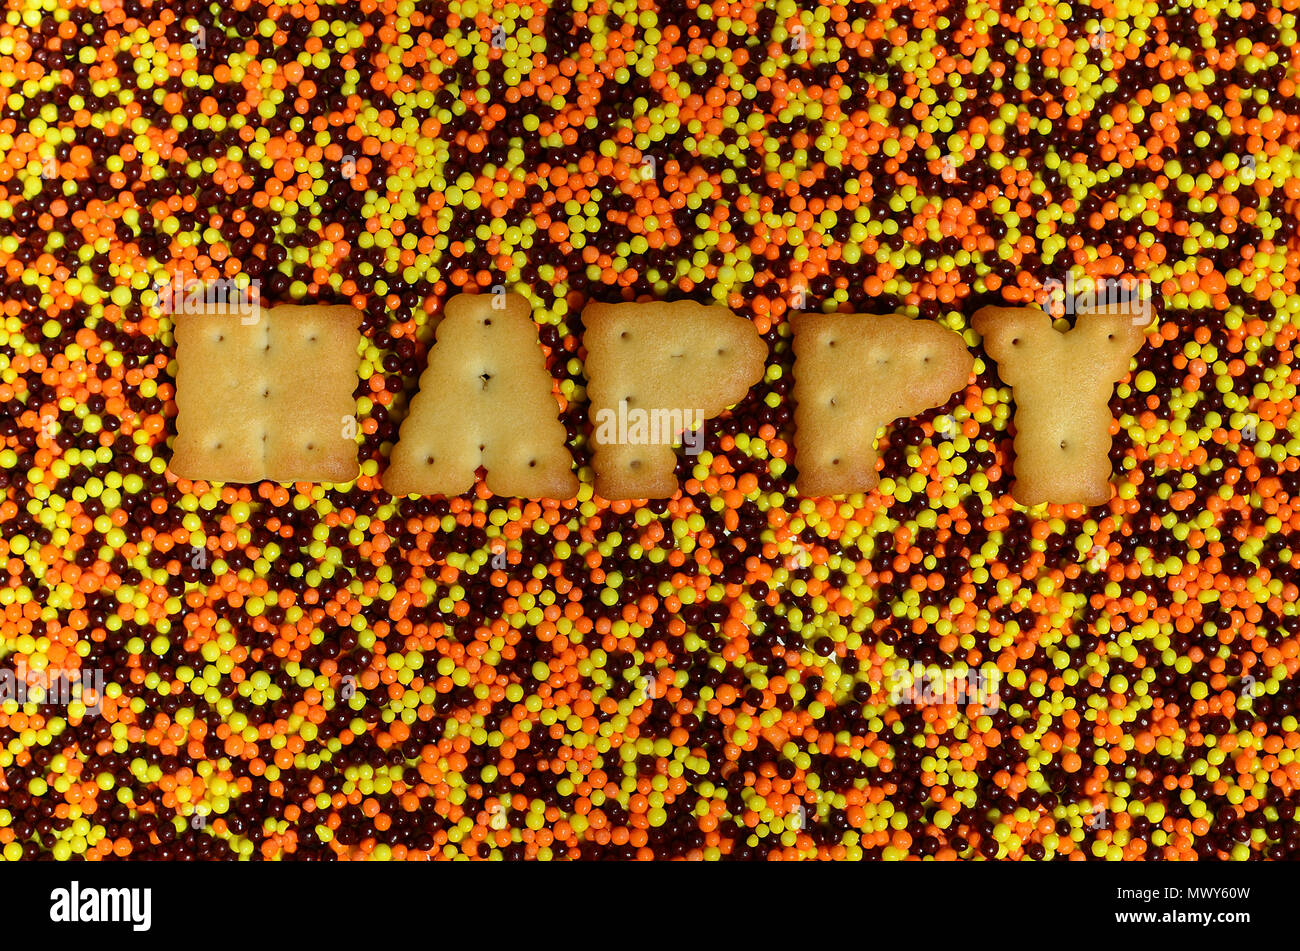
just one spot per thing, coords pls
(854, 374)
(486, 399)
(313, 385)
(1062, 385)
(267, 398)
(660, 363)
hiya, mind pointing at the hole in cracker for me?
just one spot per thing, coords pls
(486, 378)
(311, 446)
(624, 335)
(487, 321)
(1015, 341)
(532, 463)
(428, 460)
(1062, 443)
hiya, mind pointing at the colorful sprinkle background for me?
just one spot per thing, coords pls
(314, 672)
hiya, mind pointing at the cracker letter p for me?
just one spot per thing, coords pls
(655, 373)
(855, 373)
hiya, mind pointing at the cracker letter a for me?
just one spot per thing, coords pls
(486, 400)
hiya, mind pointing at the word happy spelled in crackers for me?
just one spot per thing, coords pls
(268, 394)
